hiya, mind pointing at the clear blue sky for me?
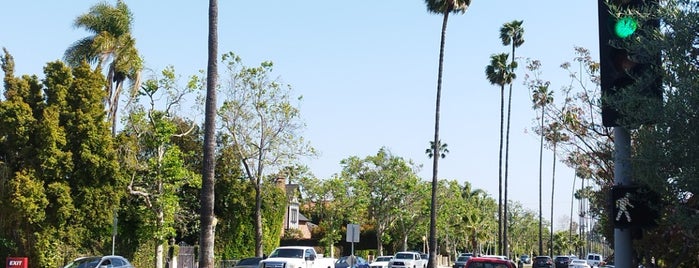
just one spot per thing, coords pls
(367, 71)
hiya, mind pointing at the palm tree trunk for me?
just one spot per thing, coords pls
(553, 184)
(432, 263)
(507, 156)
(572, 198)
(500, 220)
(541, 164)
(208, 219)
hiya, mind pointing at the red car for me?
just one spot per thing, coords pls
(482, 262)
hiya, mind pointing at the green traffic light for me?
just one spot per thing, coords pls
(625, 27)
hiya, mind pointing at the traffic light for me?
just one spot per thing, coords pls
(634, 206)
(625, 64)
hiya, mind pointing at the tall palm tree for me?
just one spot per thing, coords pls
(208, 219)
(554, 136)
(498, 73)
(443, 7)
(540, 98)
(111, 42)
(511, 33)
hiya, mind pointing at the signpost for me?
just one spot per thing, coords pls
(352, 237)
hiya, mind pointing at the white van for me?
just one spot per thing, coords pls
(594, 259)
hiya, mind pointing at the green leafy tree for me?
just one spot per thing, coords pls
(511, 33)
(525, 230)
(389, 181)
(263, 124)
(499, 72)
(111, 42)
(333, 203)
(60, 178)
(412, 212)
(666, 155)
(443, 8)
(155, 164)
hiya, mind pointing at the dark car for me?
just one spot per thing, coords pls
(253, 262)
(461, 262)
(542, 262)
(562, 261)
(525, 259)
(489, 262)
(111, 261)
(344, 262)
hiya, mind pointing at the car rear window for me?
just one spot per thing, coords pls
(486, 265)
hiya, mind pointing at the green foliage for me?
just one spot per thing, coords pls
(390, 183)
(447, 6)
(155, 164)
(262, 126)
(666, 154)
(235, 208)
(59, 171)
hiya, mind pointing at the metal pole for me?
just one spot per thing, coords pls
(623, 252)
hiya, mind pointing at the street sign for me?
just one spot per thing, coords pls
(353, 233)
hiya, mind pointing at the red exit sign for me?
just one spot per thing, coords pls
(17, 262)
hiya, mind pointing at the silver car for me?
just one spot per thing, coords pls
(111, 261)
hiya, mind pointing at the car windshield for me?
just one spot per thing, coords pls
(404, 256)
(463, 259)
(383, 258)
(287, 253)
(88, 262)
(249, 261)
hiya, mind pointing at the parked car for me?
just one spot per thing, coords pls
(381, 262)
(466, 254)
(461, 262)
(525, 259)
(479, 262)
(578, 263)
(407, 259)
(594, 260)
(542, 262)
(562, 261)
(351, 262)
(111, 261)
(253, 262)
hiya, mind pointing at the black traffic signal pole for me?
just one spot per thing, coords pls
(623, 246)
(617, 72)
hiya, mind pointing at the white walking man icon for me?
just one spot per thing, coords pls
(623, 205)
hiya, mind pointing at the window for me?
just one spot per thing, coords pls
(294, 216)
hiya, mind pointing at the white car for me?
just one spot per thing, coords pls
(407, 260)
(381, 262)
(578, 263)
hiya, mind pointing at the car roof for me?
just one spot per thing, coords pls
(488, 260)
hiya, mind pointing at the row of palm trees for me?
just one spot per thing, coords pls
(502, 73)
(499, 72)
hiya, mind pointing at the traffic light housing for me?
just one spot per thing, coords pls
(634, 206)
(625, 64)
